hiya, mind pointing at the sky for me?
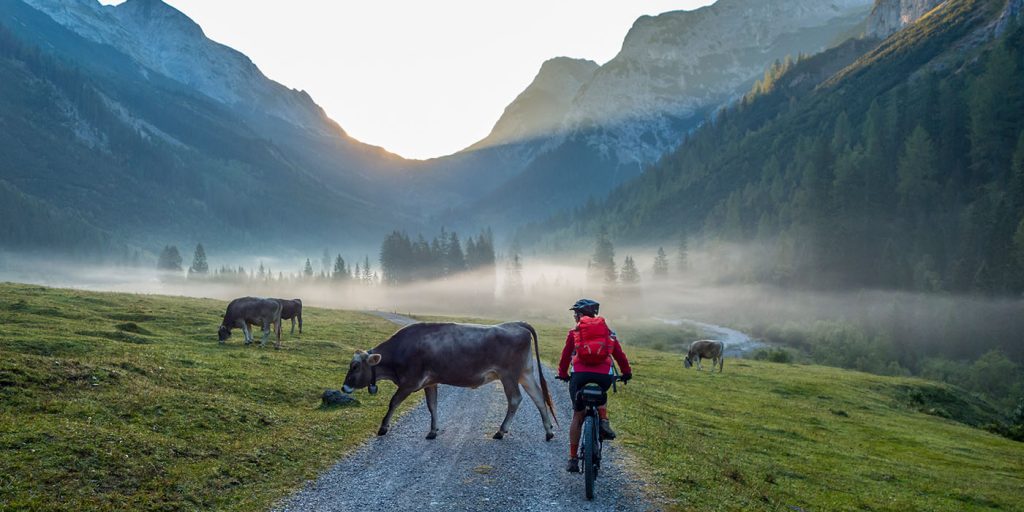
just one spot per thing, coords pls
(419, 78)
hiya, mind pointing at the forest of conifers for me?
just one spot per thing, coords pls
(891, 175)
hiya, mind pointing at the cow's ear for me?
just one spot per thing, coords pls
(374, 359)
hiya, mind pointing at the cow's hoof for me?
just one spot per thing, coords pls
(432, 435)
(381, 431)
(499, 435)
(549, 436)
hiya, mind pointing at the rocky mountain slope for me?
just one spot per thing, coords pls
(831, 174)
(674, 69)
(889, 16)
(540, 110)
(207, 120)
(92, 132)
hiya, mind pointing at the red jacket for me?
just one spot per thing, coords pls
(569, 353)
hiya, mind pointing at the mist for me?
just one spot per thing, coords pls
(711, 290)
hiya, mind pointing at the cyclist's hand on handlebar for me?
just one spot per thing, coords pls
(564, 378)
(626, 376)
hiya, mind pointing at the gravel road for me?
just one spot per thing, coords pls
(464, 469)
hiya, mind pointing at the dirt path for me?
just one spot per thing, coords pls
(464, 469)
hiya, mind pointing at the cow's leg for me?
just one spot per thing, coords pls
(266, 332)
(721, 362)
(514, 398)
(300, 322)
(277, 323)
(531, 384)
(293, 325)
(699, 366)
(431, 392)
(400, 395)
(247, 333)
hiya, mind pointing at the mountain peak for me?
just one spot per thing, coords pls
(540, 109)
(156, 13)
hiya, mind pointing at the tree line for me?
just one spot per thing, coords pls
(335, 270)
(404, 260)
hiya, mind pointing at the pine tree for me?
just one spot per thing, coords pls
(661, 263)
(514, 276)
(199, 265)
(340, 272)
(1016, 188)
(683, 255)
(842, 134)
(170, 259)
(630, 274)
(995, 100)
(308, 269)
(603, 261)
(917, 186)
(455, 260)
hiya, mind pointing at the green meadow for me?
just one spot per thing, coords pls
(120, 401)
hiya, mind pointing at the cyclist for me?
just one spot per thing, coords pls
(590, 346)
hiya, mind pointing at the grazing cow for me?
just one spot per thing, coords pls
(421, 356)
(244, 311)
(705, 349)
(290, 310)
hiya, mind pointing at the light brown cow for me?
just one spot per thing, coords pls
(423, 355)
(706, 349)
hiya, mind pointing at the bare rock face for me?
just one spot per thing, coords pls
(538, 111)
(674, 65)
(889, 16)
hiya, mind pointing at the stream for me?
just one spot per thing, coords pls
(737, 344)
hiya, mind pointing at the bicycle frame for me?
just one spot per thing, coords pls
(590, 439)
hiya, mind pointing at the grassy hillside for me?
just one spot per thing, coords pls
(768, 436)
(116, 401)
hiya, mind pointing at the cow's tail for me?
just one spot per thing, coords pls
(540, 372)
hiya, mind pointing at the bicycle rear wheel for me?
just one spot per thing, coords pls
(589, 453)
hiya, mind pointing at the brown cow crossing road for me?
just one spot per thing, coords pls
(464, 469)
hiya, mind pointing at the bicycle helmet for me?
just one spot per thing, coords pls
(586, 307)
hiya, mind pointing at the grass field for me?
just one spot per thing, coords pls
(116, 401)
(767, 436)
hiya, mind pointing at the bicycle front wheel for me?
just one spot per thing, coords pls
(590, 453)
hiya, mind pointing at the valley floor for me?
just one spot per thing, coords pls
(126, 401)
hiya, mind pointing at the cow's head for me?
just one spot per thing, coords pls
(687, 362)
(361, 372)
(223, 333)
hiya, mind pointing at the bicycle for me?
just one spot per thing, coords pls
(592, 397)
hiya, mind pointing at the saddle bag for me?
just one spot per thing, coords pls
(592, 395)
